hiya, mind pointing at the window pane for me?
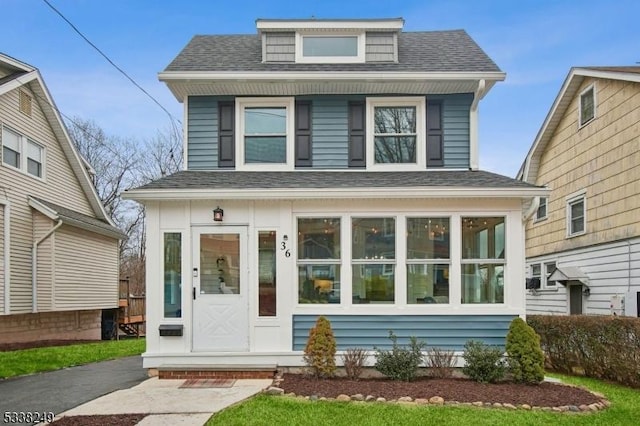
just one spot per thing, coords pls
(173, 275)
(390, 120)
(319, 283)
(11, 140)
(220, 263)
(261, 121)
(482, 283)
(535, 270)
(330, 46)
(373, 238)
(395, 149)
(34, 151)
(34, 168)
(427, 283)
(427, 238)
(266, 273)
(10, 157)
(586, 106)
(550, 269)
(542, 209)
(265, 149)
(318, 238)
(373, 283)
(483, 237)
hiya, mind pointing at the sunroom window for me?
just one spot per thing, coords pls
(318, 260)
(428, 256)
(373, 264)
(483, 259)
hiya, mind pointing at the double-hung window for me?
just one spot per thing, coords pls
(265, 133)
(373, 259)
(483, 259)
(576, 215)
(549, 268)
(395, 132)
(587, 106)
(22, 153)
(319, 260)
(428, 260)
(541, 213)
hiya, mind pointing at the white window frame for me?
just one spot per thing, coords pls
(280, 102)
(545, 271)
(24, 142)
(419, 102)
(359, 58)
(571, 200)
(581, 124)
(538, 218)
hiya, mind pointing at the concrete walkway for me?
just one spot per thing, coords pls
(168, 404)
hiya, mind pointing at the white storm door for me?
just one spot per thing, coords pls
(220, 300)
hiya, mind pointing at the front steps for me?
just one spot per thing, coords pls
(214, 371)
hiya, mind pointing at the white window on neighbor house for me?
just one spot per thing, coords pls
(265, 133)
(587, 109)
(396, 133)
(22, 153)
(541, 213)
(549, 268)
(536, 276)
(576, 215)
(335, 47)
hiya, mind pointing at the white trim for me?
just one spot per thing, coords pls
(286, 102)
(185, 134)
(6, 204)
(419, 102)
(591, 87)
(324, 193)
(329, 24)
(359, 57)
(580, 196)
(18, 82)
(474, 162)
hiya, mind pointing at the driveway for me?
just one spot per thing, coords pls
(61, 390)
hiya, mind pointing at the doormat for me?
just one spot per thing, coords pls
(207, 383)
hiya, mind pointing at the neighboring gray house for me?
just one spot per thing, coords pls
(58, 247)
(331, 169)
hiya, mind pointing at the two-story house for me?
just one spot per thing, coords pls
(58, 247)
(331, 169)
(583, 243)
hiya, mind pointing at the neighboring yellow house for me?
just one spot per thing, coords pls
(58, 247)
(583, 244)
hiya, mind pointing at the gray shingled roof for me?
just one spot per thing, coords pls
(231, 179)
(65, 213)
(431, 51)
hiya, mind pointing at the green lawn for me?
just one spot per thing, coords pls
(28, 361)
(269, 410)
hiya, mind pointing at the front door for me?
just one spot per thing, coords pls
(220, 302)
(575, 299)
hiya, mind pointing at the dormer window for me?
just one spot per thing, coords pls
(330, 48)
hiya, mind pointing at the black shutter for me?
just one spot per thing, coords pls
(226, 134)
(303, 134)
(357, 128)
(435, 147)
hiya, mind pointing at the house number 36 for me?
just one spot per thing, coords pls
(283, 246)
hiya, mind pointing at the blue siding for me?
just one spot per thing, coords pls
(202, 133)
(455, 121)
(444, 331)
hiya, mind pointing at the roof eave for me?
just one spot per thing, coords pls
(336, 193)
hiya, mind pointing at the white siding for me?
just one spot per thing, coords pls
(613, 269)
(1, 258)
(86, 270)
(44, 273)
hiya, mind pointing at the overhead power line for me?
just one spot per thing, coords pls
(171, 117)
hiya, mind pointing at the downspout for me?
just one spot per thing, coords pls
(34, 265)
(7, 253)
(474, 163)
(535, 203)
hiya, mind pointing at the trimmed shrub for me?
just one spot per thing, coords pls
(400, 363)
(320, 351)
(354, 360)
(484, 363)
(525, 358)
(441, 363)
(597, 346)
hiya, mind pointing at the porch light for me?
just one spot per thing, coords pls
(218, 213)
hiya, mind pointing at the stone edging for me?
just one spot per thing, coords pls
(437, 401)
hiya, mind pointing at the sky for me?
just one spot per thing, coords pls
(534, 42)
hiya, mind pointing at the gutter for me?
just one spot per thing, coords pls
(7, 253)
(535, 203)
(473, 125)
(34, 265)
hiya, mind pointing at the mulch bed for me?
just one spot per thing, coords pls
(461, 390)
(104, 420)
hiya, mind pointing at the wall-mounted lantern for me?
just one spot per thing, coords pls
(218, 213)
